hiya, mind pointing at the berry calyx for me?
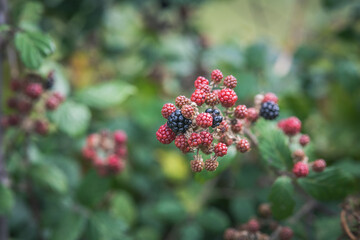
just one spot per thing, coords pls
(198, 97)
(167, 110)
(220, 149)
(165, 135)
(286, 233)
(206, 138)
(204, 120)
(216, 76)
(195, 140)
(319, 165)
(201, 81)
(243, 145)
(230, 81)
(301, 169)
(241, 112)
(178, 123)
(269, 110)
(227, 97)
(211, 165)
(304, 140)
(270, 97)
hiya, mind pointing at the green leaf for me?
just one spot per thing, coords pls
(30, 15)
(327, 228)
(123, 206)
(6, 199)
(93, 189)
(4, 28)
(281, 198)
(224, 163)
(70, 227)
(72, 118)
(50, 176)
(104, 226)
(170, 210)
(242, 208)
(332, 184)
(33, 48)
(273, 146)
(214, 220)
(106, 95)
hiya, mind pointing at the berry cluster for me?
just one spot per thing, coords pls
(252, 229)
(211, 122)
(106, 151)
(32, 98)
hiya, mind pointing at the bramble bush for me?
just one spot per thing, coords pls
(268, 152)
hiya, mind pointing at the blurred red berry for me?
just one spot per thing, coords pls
(290, 126)
(304, 140)
(270, 97)
(120, 137)
(34, 90)
(301, 169)
(241, 112)
(319, 165)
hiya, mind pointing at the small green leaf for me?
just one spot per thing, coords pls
(70, 227)
(72, 118)
(224, 163)
(106, 95)
(123, 206)
(332, 184)
(281, 198)
(31, 14)
(6, 199)
(33, 48)
(273, 147)
(50, 176)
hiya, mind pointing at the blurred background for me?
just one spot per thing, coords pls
(120, 61)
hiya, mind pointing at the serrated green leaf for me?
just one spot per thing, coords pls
(72, 118)
(93, 189)
(30, 15)
(224, 163)
(273, 146)
(123, 206)
(281, 198)
(106, 95)
(6, 199)
(50, 176)
(33, 48)
(70, 227)
(104, 226)
(332, 184)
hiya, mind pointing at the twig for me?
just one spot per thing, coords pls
(307, 208)
(252, 137)
(346, 226)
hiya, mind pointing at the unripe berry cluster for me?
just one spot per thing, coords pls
(31, 99)
(210, 121)
(106, 151)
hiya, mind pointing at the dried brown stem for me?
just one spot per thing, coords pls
(346, 226)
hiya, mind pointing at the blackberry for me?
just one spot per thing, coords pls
(269, 110)
(49, 82)
(178, 123)
(217, 119)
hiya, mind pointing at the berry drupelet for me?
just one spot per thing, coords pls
(178, 123)
(269, 110)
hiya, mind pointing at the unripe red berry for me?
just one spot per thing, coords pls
(290, 126)
(16, 85)
(88, 153)
(114, 163)
(24, 106)
(181, 142)
(167, 110)
(34, 90)
(93, 140)
(243, 145)
(205, 88)
(204, 120)
(253, 115)
(270, 97)
(211, 99)
(236, 128)
(120, 137)
(188, 111)
(165, 135)
(286, 233)
(301, 169)
(216, 76)
(304, 140)
(223, 127)
(206, 138)
(253, 226)
(59, 96)
(211, 165)
(201, 81)
(230, 81)
(319, 165)
(198, 97)
(52, 103)
(41, 127)
(13, 120)
(231, 234)
(227, 97)
(241, 112)
(220, 149)
(197, 165)
(195, 140)
(180, 101)
(121, 151)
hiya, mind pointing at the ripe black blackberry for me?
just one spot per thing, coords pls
(49, 82)
(178, 123)
(269, 110)
(217, 119)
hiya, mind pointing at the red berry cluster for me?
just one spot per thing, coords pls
(106, 151)
(210, 121)
(32, 96)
